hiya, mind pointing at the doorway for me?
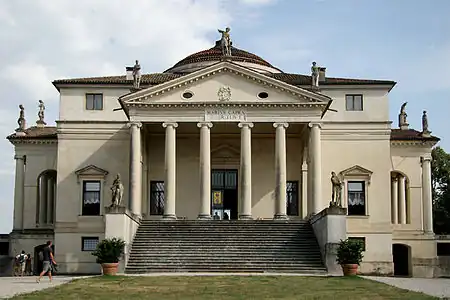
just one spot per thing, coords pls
(37, 262)
(401, 256)
(224, 194)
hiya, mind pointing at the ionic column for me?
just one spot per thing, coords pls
(280, 170)
(394, 200)
(305, 183)
(135, 168)
(245, 190)
(170, 171)
(426, 195)
(50, 200)
(19, 191)
(401, 200)
(205, 170)
(316, 162)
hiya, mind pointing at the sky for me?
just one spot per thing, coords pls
(407, 41)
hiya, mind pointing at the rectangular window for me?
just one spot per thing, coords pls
(443, 249)
(4, 248)
(292, 198)
(362, 240)
(156, 197)
(89, 243)
(356, 198)
(91, 198)
(94, 101)
(354, 102)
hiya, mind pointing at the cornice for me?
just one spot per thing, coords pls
(234, 105)
(33, 141)
(413, 143)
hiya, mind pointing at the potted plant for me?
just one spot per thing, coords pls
(349, 256)
(108, 253)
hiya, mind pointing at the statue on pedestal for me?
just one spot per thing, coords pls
(315, 70)
(225, 41)
(137, 75)
(41, 121)
(336, 190)
(425, 131)
(117, 191)
(402, 122)
(21, 119)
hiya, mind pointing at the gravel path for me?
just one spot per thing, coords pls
(438, 287)
(10, 286)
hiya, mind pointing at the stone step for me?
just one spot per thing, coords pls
(229, 257)
(211, 261)
(224, 243)
(228, 268)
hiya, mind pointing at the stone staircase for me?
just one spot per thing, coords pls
(225, 246)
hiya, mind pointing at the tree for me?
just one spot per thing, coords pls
(440, 176)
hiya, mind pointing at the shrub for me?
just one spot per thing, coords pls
(349, 252)
(109, 250)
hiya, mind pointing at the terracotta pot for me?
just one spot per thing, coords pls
(110, 268)
(350, 269)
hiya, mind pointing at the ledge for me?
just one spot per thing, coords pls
(118, 210)
(332, 210)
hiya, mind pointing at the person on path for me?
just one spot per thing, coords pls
(22, 260)
(48, 260)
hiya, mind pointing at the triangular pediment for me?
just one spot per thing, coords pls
(356, 171)
(225, 151)
(91, 170)
(221, 83)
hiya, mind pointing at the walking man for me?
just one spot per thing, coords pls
(48, 260)
(22, 260)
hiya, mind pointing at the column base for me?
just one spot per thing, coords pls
(169, 217)
(245, 217)
(280, 217)
(204, 217)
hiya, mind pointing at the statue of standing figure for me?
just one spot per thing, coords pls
(225, 41)
(21, 119)
(41, 113)
(136, 75)
(336, 190)
(425, 130)
(117, 191)
(315, 71)
(402, 121)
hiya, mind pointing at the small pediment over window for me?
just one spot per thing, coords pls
(225, 153)
(356, 172)
(91, 171)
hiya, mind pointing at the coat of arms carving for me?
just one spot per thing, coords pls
(224, 93)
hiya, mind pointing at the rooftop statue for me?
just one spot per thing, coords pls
(402, 121)
(21, 120)
(425, 131)
(41, 121)
(225, 41)
(137, 75)
(315, 74)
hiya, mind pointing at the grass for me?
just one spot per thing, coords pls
(223, 287)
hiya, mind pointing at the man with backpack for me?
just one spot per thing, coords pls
(22, 260)
(47, 262)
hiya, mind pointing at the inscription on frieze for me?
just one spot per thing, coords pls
(225, 115)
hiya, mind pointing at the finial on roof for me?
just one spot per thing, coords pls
(136, 75)
(425, 131)
(41, 122)
(21, 120)
(402, 122)
(225, 41)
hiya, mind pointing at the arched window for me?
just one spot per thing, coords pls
(46, 198)
(400, 204)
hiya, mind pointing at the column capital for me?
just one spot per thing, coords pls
(276, 125)
(314, 124)
(19, 157)
(134, 123)
(245, 124)
(170, 124)
(426, 157)
(204, 124)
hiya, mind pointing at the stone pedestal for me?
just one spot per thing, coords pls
(330, 227)
(121, 223)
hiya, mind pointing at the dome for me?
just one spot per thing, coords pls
(214, 55)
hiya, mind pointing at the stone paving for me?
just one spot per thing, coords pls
(438, 287)
(11, 286)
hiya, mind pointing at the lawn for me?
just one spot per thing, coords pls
(223, 287)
